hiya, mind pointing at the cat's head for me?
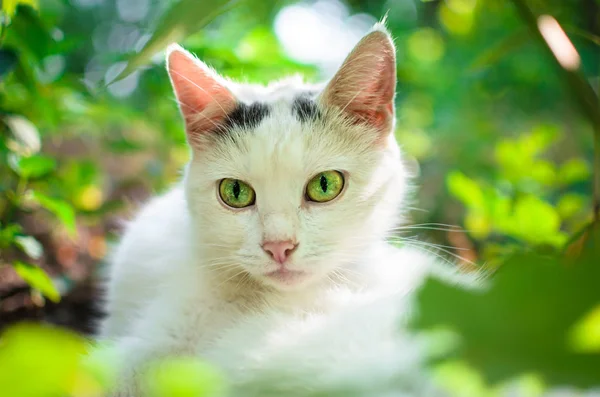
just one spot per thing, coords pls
(290, 182)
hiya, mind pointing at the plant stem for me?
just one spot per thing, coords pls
(597, 176)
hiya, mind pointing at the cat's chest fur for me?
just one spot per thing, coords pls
(201, 313)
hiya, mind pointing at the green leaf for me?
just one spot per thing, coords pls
(574, 170)
(535, 221)
(35, 166)
(40, 361)
(30, 246)
(29, 34)
(525, 322)
(61, 209)
(8, 234)
(466, 190)
(182, 19)
(570, 204)
(183, 377)
(8, 60)
(37, 278)
(9, 7)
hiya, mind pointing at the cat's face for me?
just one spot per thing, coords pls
(289, 183)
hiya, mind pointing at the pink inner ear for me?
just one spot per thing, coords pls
(203, 99)
(365, 84)
(375, 105)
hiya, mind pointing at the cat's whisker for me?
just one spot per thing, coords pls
(399, 239)
(437, 255)
(424, 245)
(426, 227)
(339, 273)
(436, 224)
(417, 209)
(231, 278)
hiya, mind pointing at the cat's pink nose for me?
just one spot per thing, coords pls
(279, 250)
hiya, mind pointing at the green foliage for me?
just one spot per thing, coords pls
(49, 354)
(539, 315)
(183, 377)
(34, 166)
(65, 364)
(531, 200)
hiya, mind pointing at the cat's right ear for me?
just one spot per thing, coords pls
(203, 97)
(365, 85)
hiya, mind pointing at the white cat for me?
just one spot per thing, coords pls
(269, 259)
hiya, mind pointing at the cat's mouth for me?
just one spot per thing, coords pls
(286, 276)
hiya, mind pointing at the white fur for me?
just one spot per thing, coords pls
(188, 275)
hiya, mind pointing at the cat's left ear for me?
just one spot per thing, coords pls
(365, 85)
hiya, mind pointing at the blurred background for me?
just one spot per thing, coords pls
(493, 127)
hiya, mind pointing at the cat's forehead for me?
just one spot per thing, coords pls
(282, 130)
(287, 139)
(284, 90)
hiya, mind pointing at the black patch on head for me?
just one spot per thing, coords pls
(306, 109)
(246, 116)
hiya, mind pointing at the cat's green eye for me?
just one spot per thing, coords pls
(235, 193)
(325, 186)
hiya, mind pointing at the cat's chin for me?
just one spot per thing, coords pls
(284, 279)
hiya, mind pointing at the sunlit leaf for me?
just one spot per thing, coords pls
(10, 6)
(461, 379)
(30, 246)
(61, 209)
(182, 19)
(585, 334)
(466, 190)
(184, 377)
(540, 138)
(37, 278)
(534, 220)
(570, 204)
(35, 166)
(478, 224)
(39, 361)
(574, 170)
(543, 172)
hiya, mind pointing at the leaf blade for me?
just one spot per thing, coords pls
(37, 278)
